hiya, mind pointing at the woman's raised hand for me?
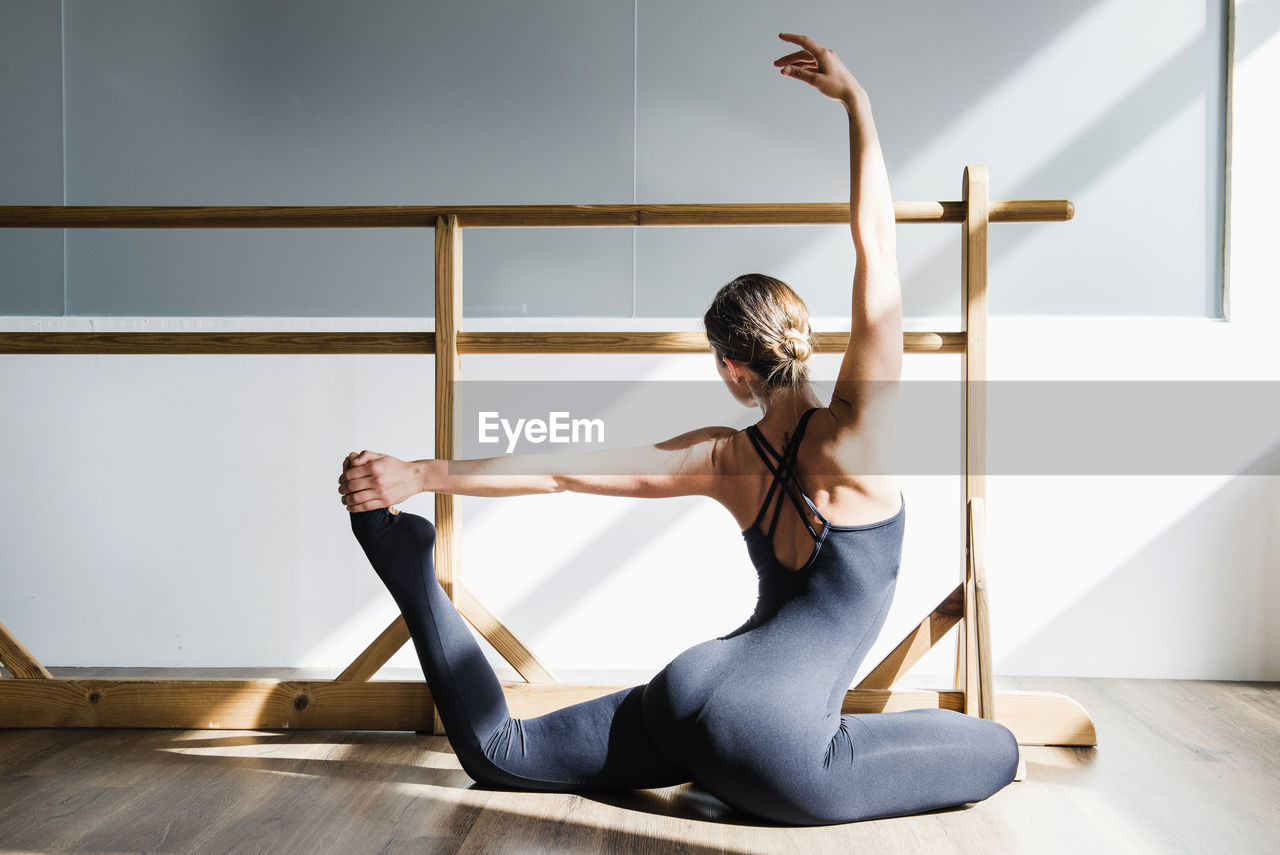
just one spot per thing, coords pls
(820, 68)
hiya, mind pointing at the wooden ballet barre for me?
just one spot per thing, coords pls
(32, 697)
(217, 342)
(415, 342)
(500, 216)
(669, 342)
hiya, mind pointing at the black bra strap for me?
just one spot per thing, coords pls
(784, 476)
(763, 448)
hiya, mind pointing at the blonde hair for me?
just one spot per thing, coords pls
(760, 321)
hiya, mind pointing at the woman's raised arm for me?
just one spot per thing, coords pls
(874, 354)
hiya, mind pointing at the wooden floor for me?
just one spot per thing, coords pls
(1183, 767)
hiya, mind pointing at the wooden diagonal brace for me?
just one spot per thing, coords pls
(486, 623)
(496, 633)
(378, 652)
(917, 643)
(18, 659)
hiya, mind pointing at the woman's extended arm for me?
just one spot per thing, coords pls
(681, 466)
(874, 354)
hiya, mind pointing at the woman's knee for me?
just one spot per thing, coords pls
(1007, 755)
(994, 755)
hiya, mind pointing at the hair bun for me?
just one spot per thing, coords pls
(796, 344)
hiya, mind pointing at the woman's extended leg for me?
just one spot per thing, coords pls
(596, 745)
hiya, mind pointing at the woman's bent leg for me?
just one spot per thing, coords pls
(877, 765)
(599, 744)
(921, 760)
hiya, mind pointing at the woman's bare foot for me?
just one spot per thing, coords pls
(399, 545)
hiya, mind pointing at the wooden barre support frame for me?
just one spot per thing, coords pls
(1041, 718)
(499, 216)
(353, 700)
(299, 343)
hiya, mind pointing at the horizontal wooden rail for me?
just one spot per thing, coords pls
(1040, 718)
(500, 216)
(668, 342)
(216, 342)
(414, 342)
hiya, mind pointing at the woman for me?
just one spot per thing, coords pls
(753, 716)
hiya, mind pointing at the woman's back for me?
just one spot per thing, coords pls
(834, 466)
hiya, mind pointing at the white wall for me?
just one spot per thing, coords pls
(181, 510)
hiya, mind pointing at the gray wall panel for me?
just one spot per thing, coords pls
(679, 270)
(547, 272)
(1106, 103)
(332, 103)
(30, 152)
(721, 124)
(31, 272)
(251, 272)
(292, 102)
(345, 273)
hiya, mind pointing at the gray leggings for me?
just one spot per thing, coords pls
(753, 717)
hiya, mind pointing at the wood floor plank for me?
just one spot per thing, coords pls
(1166, 767)
(1182, 767)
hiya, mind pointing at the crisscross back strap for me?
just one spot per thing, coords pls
(782, 467)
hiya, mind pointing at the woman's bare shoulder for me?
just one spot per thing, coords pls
(697, 436)
(849, 457)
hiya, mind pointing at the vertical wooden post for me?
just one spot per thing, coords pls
(448, 369)
(977, 525)
(973, 302)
